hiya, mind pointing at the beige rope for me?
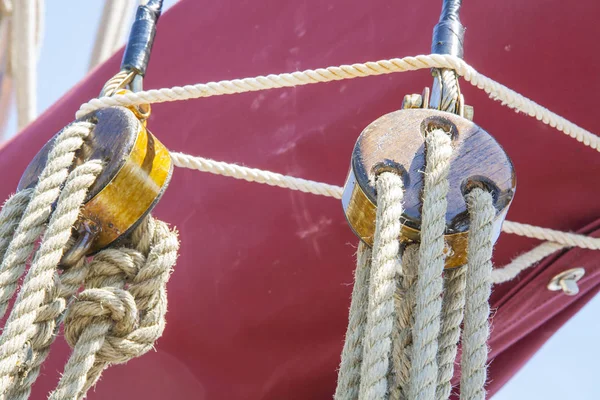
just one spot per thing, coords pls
(453, 305)
(405, 303)
(32, 325)
(478, 290)
(122, 311)
(352, 354)
(429, 283)
(38, 210)
(323, 189)
(495, 90)
(382, 288)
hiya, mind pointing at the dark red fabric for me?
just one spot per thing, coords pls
(259, 297)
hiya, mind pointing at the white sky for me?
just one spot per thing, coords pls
(565, 368)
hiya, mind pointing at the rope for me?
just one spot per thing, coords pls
(323, 189)
(382, 288)
(405, 303)
(478, 290)
(429, 283)
(453, 305)
(352, 354)
(255, 175)
(408, 349)
(38, 210)
(121, 312)
(495, 90)
(111, 30)
(35, 327)
(524, 261)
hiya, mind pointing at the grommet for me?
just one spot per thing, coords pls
(567, 281)
(136, 173)
(396, 141)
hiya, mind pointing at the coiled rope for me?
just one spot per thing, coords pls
(120, 312)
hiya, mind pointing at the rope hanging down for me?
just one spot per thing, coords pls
(124, 288)
(402, 335)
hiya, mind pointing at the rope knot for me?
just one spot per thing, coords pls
(108, 309)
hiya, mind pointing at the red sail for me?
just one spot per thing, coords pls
(260, 295)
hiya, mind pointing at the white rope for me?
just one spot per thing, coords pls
(202, 164)
(255, 175)
(551, 235)
(495, 90)
(478, 289)
(429, 285)
(377, 344)
(111, 30)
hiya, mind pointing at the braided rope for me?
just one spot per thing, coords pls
(453, 305)
(39, 208)
(352, 354)
(405, 303)
(429, 283)
(382, 288)
(37, 212)
(43, 270)
(121, 313)
(478, 290)
(495, 90)
(323, 189)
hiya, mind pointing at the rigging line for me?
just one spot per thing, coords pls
(565, 239)
(495, 90)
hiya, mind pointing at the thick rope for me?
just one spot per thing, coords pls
(352, 354)
(495, 90)
(39, 208)
(429, 283)
(122, 313)
(478, 290)
(382, 288)
(405, 303)
(453, 305)
(24, 323)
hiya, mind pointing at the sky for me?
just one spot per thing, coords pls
(565, 368)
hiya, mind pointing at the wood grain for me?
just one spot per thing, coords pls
(137, 171)
(396, 142)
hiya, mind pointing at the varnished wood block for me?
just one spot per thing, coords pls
(137, 170)
(396, 142)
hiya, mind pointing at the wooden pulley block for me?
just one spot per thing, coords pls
(396, 142)
(137, 170)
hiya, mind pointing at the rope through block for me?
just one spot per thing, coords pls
(406, 311)
(120, 313)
